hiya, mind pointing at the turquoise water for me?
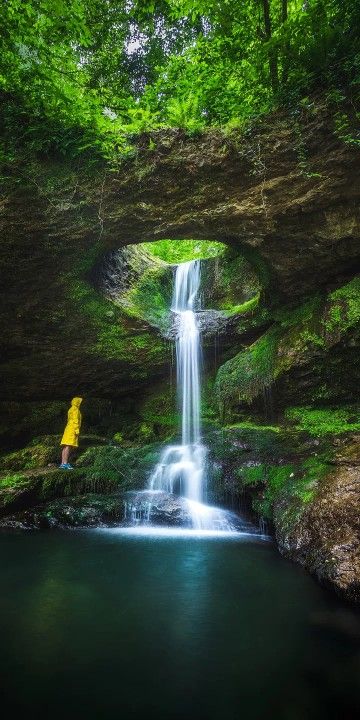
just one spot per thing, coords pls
(100, 624)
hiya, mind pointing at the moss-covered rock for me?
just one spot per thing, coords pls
(300, 340)
(253, 464)
(58, 218)
(42, 451)
(323, 534)
(99, 469)
(230, 283)
(91, 510)
(138, 282)
(303, 485)
(326, 420)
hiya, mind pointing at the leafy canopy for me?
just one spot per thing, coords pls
(79, 74)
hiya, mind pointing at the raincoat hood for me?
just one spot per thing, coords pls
(76, 401)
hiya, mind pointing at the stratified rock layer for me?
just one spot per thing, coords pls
(299, 227)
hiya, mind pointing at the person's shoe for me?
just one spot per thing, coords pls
(62, 466)
(68, 466)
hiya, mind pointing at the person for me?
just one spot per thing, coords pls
(70, 438)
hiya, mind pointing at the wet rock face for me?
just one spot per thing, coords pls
(93, 510)
(299, 230)
(307, 489)
(167, 510)
(326, 537)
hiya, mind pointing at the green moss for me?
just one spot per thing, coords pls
(243, 308)
(141, 350)
(276, 478)
(250, 443)
(229, 283)
(129, 467)
(323, 421)
(159, 413)
(37, 454)
(249, 372)
(295, 483)
(149, 298)
(12, 480)
(344, 308)
(297, 335)
(250, 475)
(110, 334)
(252, 426)
(295, 496)
(79, 483)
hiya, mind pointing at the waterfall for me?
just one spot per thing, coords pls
(181, 470)
(187, 283)
(181, 467)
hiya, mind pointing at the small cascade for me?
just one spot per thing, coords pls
(176, 489)
(180, 471)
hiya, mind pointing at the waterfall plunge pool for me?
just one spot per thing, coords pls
(104, 624)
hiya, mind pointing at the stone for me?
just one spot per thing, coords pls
(325, 537)
(299, 231)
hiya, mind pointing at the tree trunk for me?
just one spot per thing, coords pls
(272, 54)
(286, 51)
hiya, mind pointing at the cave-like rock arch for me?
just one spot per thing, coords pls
(299, 227)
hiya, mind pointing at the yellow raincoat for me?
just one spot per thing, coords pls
(71, 432)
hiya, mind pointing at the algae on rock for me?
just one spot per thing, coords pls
(298, 338)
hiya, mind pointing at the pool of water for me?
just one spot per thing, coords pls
(107, 624)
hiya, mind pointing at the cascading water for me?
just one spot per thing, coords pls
(181, 469)
(187, 282)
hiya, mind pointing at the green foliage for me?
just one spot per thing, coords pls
(183, 112)
(178, 251)
(84, 76)
(323, 421)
